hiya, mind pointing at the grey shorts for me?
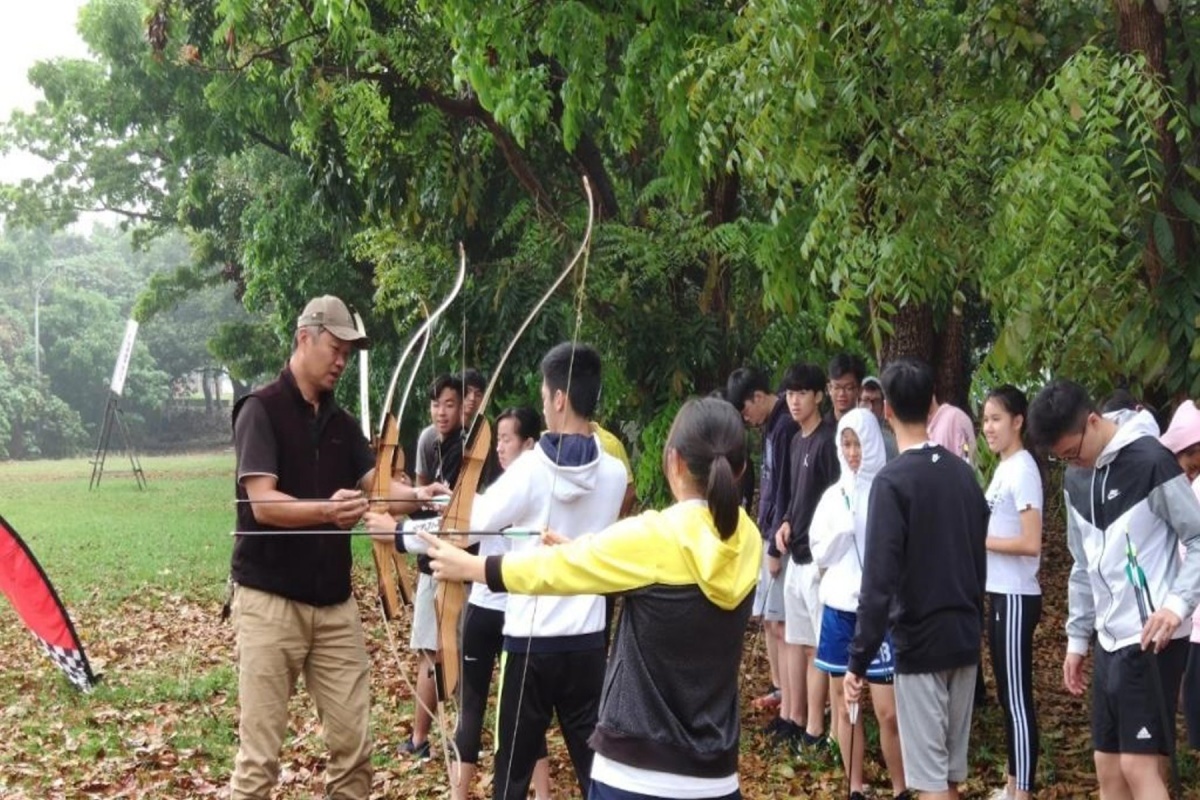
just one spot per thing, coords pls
(424, 626)
(934, 712)
(768, 597)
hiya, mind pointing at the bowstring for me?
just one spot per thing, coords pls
(578, 308)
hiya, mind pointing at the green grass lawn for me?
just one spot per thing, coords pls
(115, 541)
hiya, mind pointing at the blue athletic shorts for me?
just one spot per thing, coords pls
(833, 651)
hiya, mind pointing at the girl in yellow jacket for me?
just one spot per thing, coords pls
(668, 722)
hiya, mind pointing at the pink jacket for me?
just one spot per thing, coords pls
(952, 429)
(1182, 433)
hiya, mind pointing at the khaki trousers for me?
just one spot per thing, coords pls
(277, 641)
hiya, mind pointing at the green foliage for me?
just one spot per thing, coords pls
(651, 481)
(1068, 215)
(775, 182)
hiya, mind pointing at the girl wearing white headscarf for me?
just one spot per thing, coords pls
(838, 540)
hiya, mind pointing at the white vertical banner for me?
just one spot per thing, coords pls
(364, 383)
(117, 384)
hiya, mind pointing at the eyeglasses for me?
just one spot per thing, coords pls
(842, 388)
(1071, 458)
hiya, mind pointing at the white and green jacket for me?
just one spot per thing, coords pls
(1136, 490)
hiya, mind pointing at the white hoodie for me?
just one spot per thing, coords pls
(534, 493)
(839, 526)
(1138, 496)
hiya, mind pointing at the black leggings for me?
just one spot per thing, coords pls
(483, 635)
(1010, 632)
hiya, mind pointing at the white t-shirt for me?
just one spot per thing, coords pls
(653, 783)
(1016, 486)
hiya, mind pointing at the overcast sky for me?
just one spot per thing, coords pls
(42, 29)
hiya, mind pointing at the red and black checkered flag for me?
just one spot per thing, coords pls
(26, 586)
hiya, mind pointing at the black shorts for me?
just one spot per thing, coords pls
(1126, 713)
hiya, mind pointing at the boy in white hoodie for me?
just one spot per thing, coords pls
(1130, 501)
(554, 654)
(838, 536)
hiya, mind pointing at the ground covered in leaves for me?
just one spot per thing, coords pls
(162, 723)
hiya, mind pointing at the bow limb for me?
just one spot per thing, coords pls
(403, 579)
(529, 318)
(476, 448)
(394, 574)
(389, 396)
(386, 446)
(451, 595)
(416, 367)
(392, 592)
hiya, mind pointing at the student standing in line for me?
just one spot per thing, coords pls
(750, 393)
(554, 649)
(441, 465)
(838, 535)
(926, 501)
(952, 428)
(1128, 497)
(1014, 545)
(669, 723)
(517, 431)
(814, 468)
(870, 397)
(846, 373)
(1183, 439)
(473, 386)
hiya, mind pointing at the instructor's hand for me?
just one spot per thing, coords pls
(345, 508)
(1073, 679)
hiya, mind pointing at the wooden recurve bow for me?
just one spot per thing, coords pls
(451, 595)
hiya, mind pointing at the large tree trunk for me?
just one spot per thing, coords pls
(1141, 28)
(950, 361)
(722, 200)
(940, 343)
(912, 334)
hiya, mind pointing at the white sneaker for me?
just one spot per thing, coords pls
(1000, 794)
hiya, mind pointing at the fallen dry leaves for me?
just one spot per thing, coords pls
(163, 723)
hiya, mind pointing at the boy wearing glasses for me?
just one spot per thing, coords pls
(1129, 504)
(846, 373)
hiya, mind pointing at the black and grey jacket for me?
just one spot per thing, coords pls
(1135, 496)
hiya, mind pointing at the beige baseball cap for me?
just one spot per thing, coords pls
(331, 314)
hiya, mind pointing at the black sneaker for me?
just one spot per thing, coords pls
(857, 796)
(905, 795)
(418, 751)
(777, 726)
(807, 743)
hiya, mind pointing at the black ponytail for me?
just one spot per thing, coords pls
(708, 434)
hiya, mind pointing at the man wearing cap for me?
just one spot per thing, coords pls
(302, 464)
